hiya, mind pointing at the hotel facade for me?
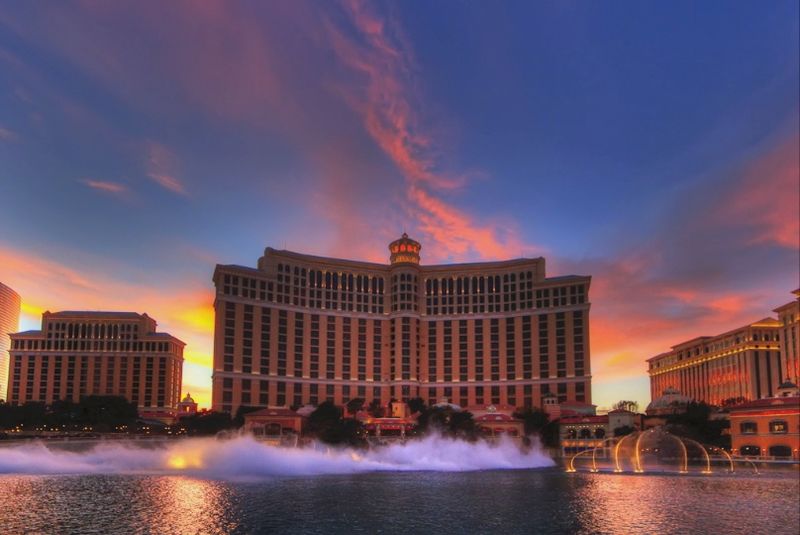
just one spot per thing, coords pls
(78, 354)
(747, 363)
(9, 323)
(302, 329)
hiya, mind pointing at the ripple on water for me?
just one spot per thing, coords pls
(514, 501)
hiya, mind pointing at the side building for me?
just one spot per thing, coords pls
(789, 334)
(78, 354)
(302, 329)
(9, 323)
(748, 363)
(741, 364)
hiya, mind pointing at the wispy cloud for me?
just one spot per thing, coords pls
(387, 103)
(105, 186)
(162, 167)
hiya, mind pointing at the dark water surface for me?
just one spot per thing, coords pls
(502, 501)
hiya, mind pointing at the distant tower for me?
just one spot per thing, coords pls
(404, 251)
(9, 323)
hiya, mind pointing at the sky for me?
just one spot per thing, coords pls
(651, 145)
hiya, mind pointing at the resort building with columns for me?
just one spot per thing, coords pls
(744, 364)
(301, 329)
(789, 335)
(83, 353)
(741, 364)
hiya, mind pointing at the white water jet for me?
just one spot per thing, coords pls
(244, 458)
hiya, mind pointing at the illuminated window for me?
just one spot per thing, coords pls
(778, 426)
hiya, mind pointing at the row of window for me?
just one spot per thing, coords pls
(365, 293)
(71, 375)
(258, 392)
(778, 427)
(40, 344)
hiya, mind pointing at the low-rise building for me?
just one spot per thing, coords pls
(585, 432)
(768, 428)
(495, 421)
(274, 422)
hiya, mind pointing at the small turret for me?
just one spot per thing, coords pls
(404, 251)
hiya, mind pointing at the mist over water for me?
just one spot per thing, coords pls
(243, 458)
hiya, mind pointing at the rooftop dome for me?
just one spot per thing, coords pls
(668, 402)
(404, 250)
(187, 398)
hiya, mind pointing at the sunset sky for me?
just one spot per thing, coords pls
(651, 145)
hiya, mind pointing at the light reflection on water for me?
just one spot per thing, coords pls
(517, 501)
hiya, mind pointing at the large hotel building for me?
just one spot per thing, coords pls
(97, 353)
(9, 323)
(302, 329)
(748, 363)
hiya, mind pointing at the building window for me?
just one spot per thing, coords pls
(780, 451)
(778, 427)
(748, 428)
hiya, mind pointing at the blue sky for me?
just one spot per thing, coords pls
(651, 145)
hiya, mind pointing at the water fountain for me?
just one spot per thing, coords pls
(654, 450)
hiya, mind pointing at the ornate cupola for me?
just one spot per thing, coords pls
(404, 251)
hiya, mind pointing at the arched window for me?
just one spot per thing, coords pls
(585, 433)
(599, 432)
(748, 428)
(571, 433)
(780, 451)
(779, 427)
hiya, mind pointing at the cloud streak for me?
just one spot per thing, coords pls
(161, 167)
(104, 186)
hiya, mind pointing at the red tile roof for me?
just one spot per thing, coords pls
(603, 419)
(768, 403)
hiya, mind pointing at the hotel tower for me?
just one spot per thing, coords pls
(9, 323)
(302, 329)
(77, 354)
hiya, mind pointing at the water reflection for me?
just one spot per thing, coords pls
(517, 501)
(185, 505)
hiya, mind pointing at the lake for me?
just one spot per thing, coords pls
(135, 490)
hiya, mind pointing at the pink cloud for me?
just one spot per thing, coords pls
(108, 187)
(383, 59)
(161, 165)
(767, 198)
